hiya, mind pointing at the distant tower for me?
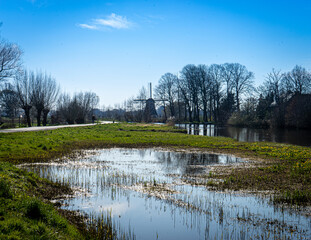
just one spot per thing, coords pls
(150, 110)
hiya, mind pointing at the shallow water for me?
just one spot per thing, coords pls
(147, 193)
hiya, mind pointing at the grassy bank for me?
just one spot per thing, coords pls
(24, 210)
(284, 169)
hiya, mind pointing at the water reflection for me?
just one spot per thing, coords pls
(145, 194)
(291, 136)
(183, 163)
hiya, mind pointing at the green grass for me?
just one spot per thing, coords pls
(41, 145)
(23, 213)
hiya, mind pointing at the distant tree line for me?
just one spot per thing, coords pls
(226, 94)
(36, 95)
(204, 93)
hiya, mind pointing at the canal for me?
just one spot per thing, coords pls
(291, 136)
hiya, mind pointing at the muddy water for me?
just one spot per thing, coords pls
(148, 192)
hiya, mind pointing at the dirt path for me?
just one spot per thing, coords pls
(43, 128)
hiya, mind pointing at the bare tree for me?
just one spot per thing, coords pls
(77, 108)
(167, 91)
(190, 86)
(216, 78)
(227, 75)
(9, 100)
(43, 95)
(160, 92)
(273, 84)
(86, 101)
(51, 92)
(242, 82)
(37, 93)
(10, 60)
(204, 89)
(185, 97)
(24, 91)
(129, 110)
(298, 80)
(67, 108)
(142, 96)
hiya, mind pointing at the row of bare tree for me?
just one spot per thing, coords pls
(211, 91)
(75, 109)
(40, 93)
(36, 90)
(37, 93)
(284, 84)
(215, 92)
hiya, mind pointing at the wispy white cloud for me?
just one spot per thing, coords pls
(87, 26)
(113, 21)
(116, 208)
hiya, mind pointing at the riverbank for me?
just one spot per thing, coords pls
(278, 168)
(25, 210)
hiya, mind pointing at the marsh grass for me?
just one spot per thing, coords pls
(25, 211)
(102, 227)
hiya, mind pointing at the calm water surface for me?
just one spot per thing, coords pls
(151, 193)
(291, 136)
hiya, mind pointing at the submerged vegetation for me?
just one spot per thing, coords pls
(27, 213)
(284, 170)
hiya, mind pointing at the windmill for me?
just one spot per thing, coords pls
(150, 110)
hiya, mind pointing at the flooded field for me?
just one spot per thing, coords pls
(159, 194)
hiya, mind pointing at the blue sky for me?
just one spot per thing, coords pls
(115, 47)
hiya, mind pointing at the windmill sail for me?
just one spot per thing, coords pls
(150, 110)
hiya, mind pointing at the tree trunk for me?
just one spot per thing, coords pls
(204, 113)
(165, 115)
(237, 102)
(172, 109)
(190, 114)
(210, 109)
(45, 116)
(27, 113)
(39, 111)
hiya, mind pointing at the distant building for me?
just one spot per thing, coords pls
(150, 112)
